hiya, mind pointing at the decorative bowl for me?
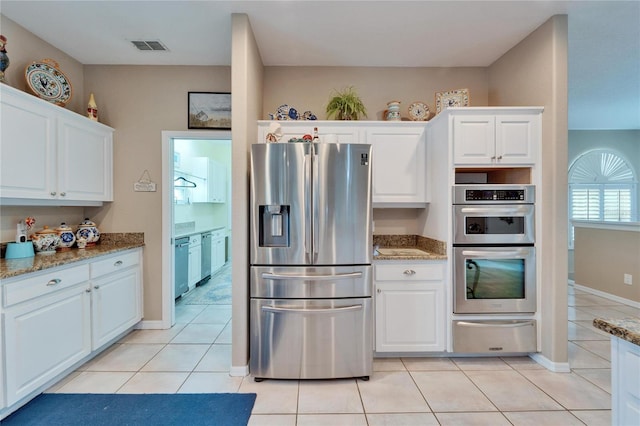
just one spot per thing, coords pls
(45, 241)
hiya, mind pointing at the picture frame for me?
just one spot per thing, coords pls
(209, 110)
(452, 98)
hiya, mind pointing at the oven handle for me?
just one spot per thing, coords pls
(497, 210)
(505, 325)
(495, 254)
(312, 311)
(270, 276)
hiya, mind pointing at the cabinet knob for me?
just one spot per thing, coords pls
(54, 281)
(379, 291)
(409, 272)
(500, 157)
(62, 194)
(118, 263)
(493, 158)
(88, 290)
(53, 193)
(96, 287)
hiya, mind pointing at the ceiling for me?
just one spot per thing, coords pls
(604, 38)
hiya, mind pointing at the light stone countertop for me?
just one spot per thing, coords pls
(109, 243)
(627, 329)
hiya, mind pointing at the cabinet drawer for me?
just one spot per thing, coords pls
(44, 283)
(409, 272)
(114, 264)
(217, 234)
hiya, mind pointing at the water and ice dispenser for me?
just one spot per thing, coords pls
(274, 226)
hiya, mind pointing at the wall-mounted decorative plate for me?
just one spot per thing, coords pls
(46, 81)
(452, 98)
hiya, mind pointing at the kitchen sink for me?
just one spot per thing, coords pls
(401, 252)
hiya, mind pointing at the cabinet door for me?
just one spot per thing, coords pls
(409, 317)
(43, 338)
(85, 160)
(474, 139)
(217, 254)
(115, 304)
(27, 147)
(399, 163)
(219, 183)
(516, 138)
(195, 263)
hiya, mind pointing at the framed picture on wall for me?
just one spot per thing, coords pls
(209, 110)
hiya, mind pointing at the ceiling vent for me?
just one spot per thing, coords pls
(148, 45)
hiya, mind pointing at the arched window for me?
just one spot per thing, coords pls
(602, 187)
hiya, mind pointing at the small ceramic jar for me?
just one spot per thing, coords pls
(89, 232)
(45, 241)
(67, 237)
(393, 111)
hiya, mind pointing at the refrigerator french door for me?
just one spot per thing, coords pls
(310, 253)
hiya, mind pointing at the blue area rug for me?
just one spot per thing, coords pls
(59, 409)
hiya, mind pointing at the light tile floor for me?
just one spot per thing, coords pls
(194, 356)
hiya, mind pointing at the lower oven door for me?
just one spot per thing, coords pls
(311, 339)
(492, 280)
(494, 336)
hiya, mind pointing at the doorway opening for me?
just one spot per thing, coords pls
(197, 221)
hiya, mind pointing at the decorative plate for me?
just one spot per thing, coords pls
(452, 98)
(419, 111)
(46, 81)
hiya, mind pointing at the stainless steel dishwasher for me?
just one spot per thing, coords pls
(181, 279)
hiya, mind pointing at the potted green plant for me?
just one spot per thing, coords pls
(346, 105)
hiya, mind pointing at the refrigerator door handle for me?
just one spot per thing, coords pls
(270, 276)
(316, 202)
(307, 208)
(312, 311)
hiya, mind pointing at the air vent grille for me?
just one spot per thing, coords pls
(148, 45)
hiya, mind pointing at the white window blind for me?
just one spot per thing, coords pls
(602, 187)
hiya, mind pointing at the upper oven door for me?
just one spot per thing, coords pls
(493, 224)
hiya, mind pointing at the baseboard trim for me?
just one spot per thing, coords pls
(608, 296)
(152, 325)
(239, 371)
(556, 367)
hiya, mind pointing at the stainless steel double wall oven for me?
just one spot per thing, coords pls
(494, 267)
(311, 251)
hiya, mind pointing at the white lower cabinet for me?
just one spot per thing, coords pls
(625, 382)
(115, 297)
(53, 320)
(195, 260)
(45, 336)
(410, 307)
(218, 255)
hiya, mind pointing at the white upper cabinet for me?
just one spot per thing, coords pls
(52, 156)
(399, 156)
(399, 164)
(500, 138)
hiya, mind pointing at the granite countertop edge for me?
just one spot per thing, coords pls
(108, 244)
(626, 329)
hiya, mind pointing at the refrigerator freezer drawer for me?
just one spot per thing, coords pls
(494, 336)
(311, 339)
(311, 282)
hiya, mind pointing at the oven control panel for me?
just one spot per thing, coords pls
(496, 194)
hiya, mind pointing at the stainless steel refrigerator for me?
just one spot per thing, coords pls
(310, 254)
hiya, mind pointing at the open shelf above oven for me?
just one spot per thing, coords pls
(508, 175)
